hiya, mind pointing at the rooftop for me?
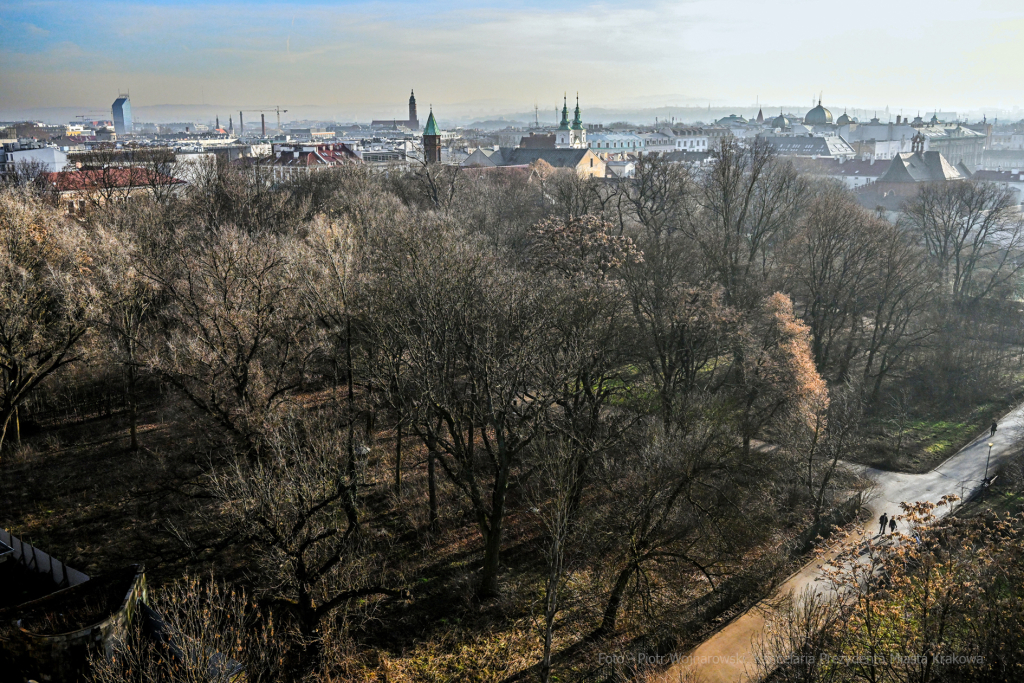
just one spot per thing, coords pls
(920, 167)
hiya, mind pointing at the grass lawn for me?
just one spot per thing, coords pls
(931, 437)
(1004, 497)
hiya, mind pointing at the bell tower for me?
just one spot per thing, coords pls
(414, 121)
(563, 136)
(432, 140)
(579, 133)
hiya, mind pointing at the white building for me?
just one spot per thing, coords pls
(615, 143)
(663, 141)
(52, 158)
(877, 140)
(620, 169)
(690, 140)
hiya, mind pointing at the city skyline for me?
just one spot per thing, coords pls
(354, 59)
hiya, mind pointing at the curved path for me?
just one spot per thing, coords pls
(727, 656)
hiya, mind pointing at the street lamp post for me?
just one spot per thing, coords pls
(987, 459)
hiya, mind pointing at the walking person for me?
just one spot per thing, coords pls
(892, 525)
(992, 432)
(882, 521)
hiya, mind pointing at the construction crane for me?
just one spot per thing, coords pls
(277, 110)
(89, 116)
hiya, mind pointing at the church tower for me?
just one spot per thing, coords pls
(563, 136)
(579, 133)
(432, 140)
(414, 121)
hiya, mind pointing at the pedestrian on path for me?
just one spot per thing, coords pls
(892, 525)
(882, 521)
(993, 432)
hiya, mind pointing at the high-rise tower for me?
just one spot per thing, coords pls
(122, 111)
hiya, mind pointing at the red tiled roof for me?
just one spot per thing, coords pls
(65, 181)
(324, 155)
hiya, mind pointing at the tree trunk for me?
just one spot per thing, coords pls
(551, 606)
(492, 557)
(133, 413)
(493, 532)
(611, 610)
(17, 427)
(432, 490)
(350, 498)
(5, 421)
(398, 459)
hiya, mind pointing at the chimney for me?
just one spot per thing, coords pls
(241, 126)
(263, 121)
(898, 119)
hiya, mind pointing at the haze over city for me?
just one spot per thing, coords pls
(355, 60)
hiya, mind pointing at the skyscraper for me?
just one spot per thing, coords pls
(122, 110)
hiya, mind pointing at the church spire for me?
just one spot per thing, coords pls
(564, 125)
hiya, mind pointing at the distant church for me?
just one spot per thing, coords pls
(571, 135)
(413, 123)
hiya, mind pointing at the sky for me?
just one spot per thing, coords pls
(359, 59)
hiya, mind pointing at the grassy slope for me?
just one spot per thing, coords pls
(931, 436)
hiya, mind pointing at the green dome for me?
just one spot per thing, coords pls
(819, 116)
(780, 121)
(844, 119)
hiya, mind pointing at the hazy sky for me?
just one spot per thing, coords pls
(361, 58)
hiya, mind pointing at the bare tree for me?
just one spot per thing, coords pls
(797, 642)
(195, 631)
(745, 201)
(236, 342)
(973, 233)
(46, 298)
(126, 299)
(26, 172)
(474, 332)
(833, 261)
(287, 505)
(827, 439)
(329, 291)
(553, 497)
(776, 380)
(902, 292)
(669, 509)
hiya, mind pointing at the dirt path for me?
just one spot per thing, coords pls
(727, 656)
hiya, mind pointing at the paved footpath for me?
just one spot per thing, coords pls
(727, 656)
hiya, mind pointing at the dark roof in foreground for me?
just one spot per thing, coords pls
(558, 158)
(920, 167)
